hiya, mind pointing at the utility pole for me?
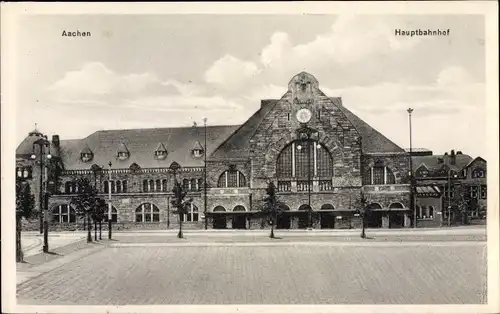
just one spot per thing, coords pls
(412, 183)
(205, 174)
(110, 206)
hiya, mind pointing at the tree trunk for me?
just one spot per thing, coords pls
(95, 230)
(89, 227)
(19, 249)
(84, 225)
(179, 235)
(100, 229)
(363, 235)
(272, 227)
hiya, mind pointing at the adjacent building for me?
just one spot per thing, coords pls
(320, 155)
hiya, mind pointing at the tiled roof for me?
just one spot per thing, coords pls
(142, 143)
(372, 140)
(237, 145)
(432, 162)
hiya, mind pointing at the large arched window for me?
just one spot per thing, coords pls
(301, 158)
(231, 179)
(63, 213)
(192, 214)
(114, 215)
(147, 212)
(379, 175)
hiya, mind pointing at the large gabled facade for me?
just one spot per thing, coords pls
(318, 153)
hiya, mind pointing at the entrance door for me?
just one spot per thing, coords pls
(239, 221)
(283, 221)
(327, 220)
(396, 220)
(374, 219)
(303, 216)
(219, 222)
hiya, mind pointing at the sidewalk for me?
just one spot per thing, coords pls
(32, 244)
(465, 230)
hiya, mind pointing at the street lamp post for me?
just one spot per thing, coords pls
(110, 206)
(449, 196)
(41, 143)
(306, 133)
(205, 174)
(174, 167)
(412, 183)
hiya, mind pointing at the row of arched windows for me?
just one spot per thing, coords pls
(66, 214)
(425, 212)
(119, 186)
(231, 179)
(24, 172)
(192, 184)
(154, 185)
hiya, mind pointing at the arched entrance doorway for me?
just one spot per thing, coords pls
(374, 217)
(239, 218)
(219, 219)
(283, 219)
(304, 216)
(327, 217)
(396, 215)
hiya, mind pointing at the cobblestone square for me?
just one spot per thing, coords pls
(388, 273)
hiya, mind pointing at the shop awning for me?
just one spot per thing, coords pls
(428, 190)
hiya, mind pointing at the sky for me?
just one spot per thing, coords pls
(172, 70)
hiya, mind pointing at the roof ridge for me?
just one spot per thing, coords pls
(371, 127)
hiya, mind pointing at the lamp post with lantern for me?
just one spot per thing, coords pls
(412, 179)
(449, 195)
(309, 135)
(205, 174)
(43, 154)
(110, 206)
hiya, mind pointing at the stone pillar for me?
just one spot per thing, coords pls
(249, 222)
(407, 221)
(294, 222)
(315, 185)
(294, 186)
(316, 220)
(229, 222)
(385, 221)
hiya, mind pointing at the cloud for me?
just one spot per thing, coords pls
(230, 72)
(94, 79)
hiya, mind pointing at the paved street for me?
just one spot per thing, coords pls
(32, 243)
(301, 271)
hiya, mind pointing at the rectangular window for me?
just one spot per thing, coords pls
(483, 192)
(473, 192)
(378, 175)
(231, 178)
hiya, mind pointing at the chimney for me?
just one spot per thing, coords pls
(55, 140)
(453, 157)
(459, 152)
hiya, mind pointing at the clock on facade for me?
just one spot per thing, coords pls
(304, 115)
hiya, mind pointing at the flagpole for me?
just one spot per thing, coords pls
(205, 174)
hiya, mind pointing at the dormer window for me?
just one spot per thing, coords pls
(86, 154)
(161, 151)
(86, 157)
(122, 155)
(197, 153)
(122, 152)
(197, 150)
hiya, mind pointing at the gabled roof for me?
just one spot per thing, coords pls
(141, 143)
(473, 160)
(432, 162)
(237, 145)
(160, 148)
(372, 141)
(86, 150)
(197, 146)
(122, 148)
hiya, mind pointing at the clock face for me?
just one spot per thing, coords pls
(304, 115)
